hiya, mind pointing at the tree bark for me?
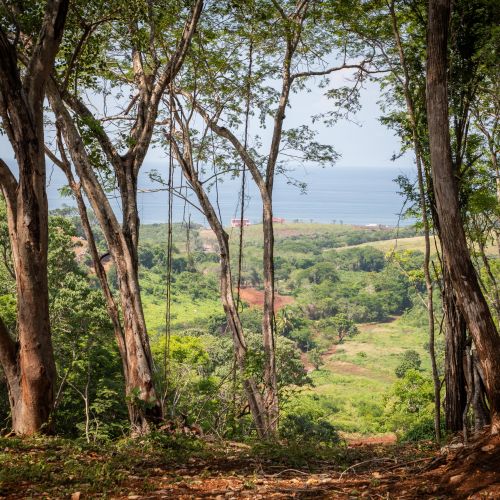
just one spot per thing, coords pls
(462, 273)
(268, 320)
(31, 372)
(455, 338)
(479, 406)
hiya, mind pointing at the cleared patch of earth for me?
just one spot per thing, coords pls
(389, 438)
(255, 298)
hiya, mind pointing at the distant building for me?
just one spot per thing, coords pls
(279, 220)
(240, 222)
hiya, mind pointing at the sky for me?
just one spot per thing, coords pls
(364, 143)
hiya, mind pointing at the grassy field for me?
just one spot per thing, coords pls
(411, 243)
(408, 243)
(355, 378)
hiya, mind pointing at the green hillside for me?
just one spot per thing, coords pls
(327, 277)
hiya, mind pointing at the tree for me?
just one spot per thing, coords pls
(402, 44)
(412, 112)
(184, 156)
(459, 265)
(92, 151)
(299, 34)
(28, 363)
(411, 361)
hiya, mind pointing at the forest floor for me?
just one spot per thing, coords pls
(166, 467)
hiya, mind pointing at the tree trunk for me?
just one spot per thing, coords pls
(462, 273)
(143, 405)
(479, 406)
(254, 398)
(423, 208)
(30, 246)
(454, 324)
(271, 404)
(268, 323)
(29, 364)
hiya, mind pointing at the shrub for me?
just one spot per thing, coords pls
(323, 271)
(410, 405)
(305, 428)
(411, 361)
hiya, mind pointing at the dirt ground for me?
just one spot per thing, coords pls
(255, 298)
(376, 471)
(453, 473)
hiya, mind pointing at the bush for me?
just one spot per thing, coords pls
(303, 338)
(420, 431)
(304, 428)
(361, 259)
(411, 361)
(410, 406)
(323, 271)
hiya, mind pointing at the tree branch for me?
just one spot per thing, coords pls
(238, 146)
(8, 184)
(8, 351)
(44, 52)
(143, 128)
(361, 67)
(79, 107)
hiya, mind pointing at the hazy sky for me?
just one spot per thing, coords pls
(367, 143)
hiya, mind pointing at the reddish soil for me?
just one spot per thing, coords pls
(372, 471)
(255, 298)
(385, 439)
(473, 472)
(330, 352)
(308, 366)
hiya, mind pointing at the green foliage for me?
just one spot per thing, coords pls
(316, 357)
(410, 405)
(304, 428)
(8, 306)
(195, 285)
(84, 346)
(411, 361)
(323, 271)
(359, 259)
(339, 326)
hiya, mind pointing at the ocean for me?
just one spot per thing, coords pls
(349, 195)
